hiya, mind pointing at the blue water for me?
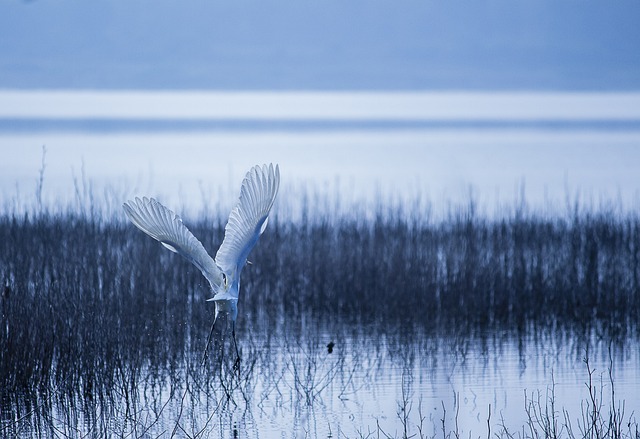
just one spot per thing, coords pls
(294, 388)
(191, 149)
(350, 153)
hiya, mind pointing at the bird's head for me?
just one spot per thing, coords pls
(230, 284)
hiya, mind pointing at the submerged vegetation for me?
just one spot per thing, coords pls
(93, 311)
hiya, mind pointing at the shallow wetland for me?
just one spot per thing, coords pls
(521, 325)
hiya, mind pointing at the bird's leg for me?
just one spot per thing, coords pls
(206, 348)
(236, 365)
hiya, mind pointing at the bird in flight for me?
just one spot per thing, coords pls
(247, 221)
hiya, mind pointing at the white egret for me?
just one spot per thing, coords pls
(247, 221)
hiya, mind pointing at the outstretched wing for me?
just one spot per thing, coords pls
(248, 219)
(162, 224)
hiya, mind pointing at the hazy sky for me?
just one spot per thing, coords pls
(331, 44)
(486, 45)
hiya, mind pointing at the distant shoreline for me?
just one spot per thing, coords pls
(352, 106)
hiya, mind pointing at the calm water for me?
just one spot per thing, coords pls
(291, 387)
(192, 152)
(193, 148)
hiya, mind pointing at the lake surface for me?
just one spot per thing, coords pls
(293, 388)
(346, 154)
(193, 147)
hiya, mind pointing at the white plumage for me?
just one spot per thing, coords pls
(247, 221)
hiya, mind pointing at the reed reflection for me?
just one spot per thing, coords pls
(427, 321)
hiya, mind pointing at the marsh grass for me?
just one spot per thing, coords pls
(95, 312)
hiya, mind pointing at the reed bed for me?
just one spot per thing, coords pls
(92, 309)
